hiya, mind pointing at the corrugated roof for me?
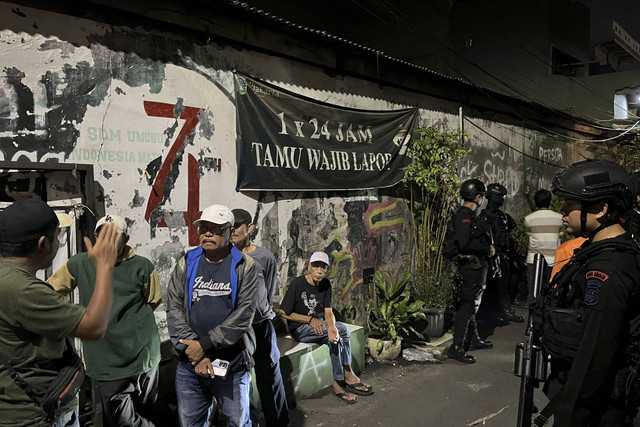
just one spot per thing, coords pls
(246, 7)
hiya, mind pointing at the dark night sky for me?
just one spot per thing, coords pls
(603, 12)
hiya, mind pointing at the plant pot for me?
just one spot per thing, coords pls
(390, 349)
(435, 317)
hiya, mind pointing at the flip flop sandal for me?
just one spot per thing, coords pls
(343, 395)
(351, 388)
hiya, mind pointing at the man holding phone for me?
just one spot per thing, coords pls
(211, 299)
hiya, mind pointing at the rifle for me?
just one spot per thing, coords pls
(496, 271)
(530, 358)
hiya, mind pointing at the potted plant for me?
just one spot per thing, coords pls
(391, 314)
(432, 178)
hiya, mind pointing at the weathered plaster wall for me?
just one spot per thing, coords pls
(77, 91)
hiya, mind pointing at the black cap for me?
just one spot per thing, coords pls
(241, 216)
(26, 220)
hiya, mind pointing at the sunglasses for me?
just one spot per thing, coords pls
(214, 229)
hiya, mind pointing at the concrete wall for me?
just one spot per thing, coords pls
(78, 91)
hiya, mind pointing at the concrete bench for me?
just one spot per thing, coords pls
(306, 368)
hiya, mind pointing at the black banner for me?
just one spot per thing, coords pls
(290, 142)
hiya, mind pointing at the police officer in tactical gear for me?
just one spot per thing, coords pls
(631, 219)
(473, 247)
(593, 303)
(501, 225)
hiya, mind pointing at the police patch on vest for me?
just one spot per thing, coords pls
(593, 290)
(599, 275)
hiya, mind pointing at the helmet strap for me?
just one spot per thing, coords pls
(583, 225)
(583, 221)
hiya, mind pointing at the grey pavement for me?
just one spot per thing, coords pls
(449, 394)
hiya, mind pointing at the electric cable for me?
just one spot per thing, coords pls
(511, 147)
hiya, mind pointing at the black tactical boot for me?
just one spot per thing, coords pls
(478, 344)
(473, 341)
(457, 352)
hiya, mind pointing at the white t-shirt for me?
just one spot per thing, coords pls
(543, 227)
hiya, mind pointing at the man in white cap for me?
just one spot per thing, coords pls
(307, 308)
(123, 366)
(211, 300)
(35, 321)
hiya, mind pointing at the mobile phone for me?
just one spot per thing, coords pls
(220, 368)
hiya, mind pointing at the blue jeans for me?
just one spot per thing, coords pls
(70, 419)
(195, 395)
(340, 353)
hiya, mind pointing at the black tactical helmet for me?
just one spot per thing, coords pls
(471, 188)
(635, 183)
(594, 180)
(496, 189)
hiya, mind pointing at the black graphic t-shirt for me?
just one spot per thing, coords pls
(306, 299)
(211, 301)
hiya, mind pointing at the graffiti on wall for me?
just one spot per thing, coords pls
(519, 173)
(357, 234)
(493, 166)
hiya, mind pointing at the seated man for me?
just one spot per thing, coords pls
(307, 308)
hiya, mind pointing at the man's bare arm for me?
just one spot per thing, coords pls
(300, 318)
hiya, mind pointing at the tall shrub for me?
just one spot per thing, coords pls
(433, 179)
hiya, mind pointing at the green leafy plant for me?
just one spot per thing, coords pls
(393, 310)
(433, 180)
(349, 312)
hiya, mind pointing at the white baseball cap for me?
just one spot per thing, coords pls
(217, 214)
(118, 220)
(320, 256)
